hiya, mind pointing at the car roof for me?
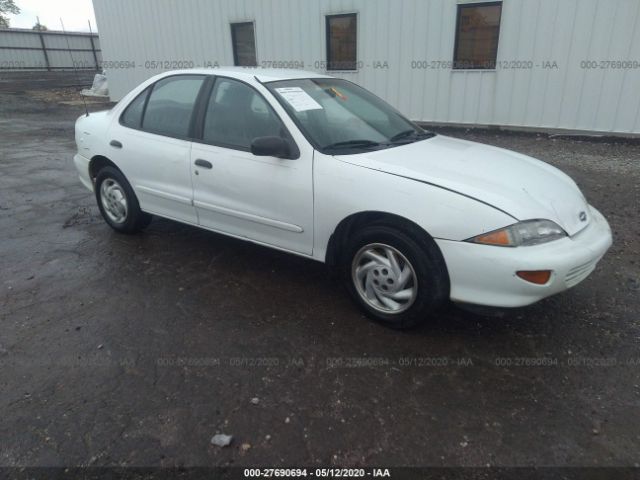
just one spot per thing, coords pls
(250, 73)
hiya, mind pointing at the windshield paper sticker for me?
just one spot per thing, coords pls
(300, 100)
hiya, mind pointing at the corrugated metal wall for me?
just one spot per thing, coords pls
(553, 37)
(31, 50)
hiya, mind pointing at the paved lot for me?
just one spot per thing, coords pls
(136, 350)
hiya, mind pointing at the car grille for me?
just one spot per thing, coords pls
(579, 273)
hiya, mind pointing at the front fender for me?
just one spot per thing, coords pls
(342, 189)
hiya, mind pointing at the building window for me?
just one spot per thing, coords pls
(342, 43)
(244, 44)
(477, 33)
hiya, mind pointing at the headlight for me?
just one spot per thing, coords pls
(529, 232)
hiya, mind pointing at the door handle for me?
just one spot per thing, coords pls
(203, 163)
(115, 143)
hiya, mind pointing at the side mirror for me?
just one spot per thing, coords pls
(270, 147)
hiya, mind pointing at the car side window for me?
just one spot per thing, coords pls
(171, 104)
(132, 116)
(236, 114)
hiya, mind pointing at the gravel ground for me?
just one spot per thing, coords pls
(136, 350)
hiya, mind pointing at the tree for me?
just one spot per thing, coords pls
(41, 28)
(7, 6)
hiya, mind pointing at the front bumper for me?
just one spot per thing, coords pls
(486, 275)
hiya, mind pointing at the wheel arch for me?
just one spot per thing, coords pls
(97, 163)
(340, 236)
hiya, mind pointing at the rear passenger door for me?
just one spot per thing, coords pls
(151, 144)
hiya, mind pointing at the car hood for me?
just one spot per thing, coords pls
(519, 185)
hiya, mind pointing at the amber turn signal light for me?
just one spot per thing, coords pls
(499, 237)
(539, 277)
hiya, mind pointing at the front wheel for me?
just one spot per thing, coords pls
(397, 279)
(118, 203)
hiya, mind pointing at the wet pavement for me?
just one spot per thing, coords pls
(136, 350)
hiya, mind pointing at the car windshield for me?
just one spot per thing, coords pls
(339, 117)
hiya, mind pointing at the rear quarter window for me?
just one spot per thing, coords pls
(132, 116)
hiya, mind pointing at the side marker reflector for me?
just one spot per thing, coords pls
(539, 277)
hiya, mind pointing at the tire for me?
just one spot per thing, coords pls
(397, 278)
(118, 203)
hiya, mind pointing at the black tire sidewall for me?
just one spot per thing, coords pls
(433, 282)
(135, 218)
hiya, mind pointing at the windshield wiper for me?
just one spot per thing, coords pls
(352, 144)
(410, 133)
(394, 141)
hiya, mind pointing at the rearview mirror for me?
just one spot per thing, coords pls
(271, 147)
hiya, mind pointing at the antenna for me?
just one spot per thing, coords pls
(75, 68)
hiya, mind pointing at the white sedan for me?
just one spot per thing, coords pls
(319, 167)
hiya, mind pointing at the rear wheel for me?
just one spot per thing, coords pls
(118, 203)
(396, 279)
